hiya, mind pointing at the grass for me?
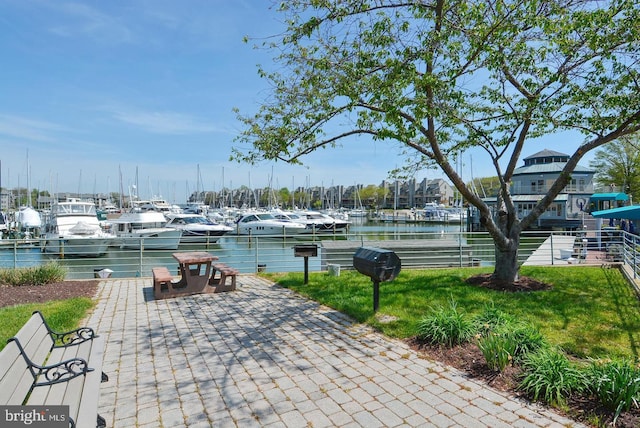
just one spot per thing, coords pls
(590, 311)
(61, 315)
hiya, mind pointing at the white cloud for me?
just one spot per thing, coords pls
(165, 122)
(84, 20)
(28, 129)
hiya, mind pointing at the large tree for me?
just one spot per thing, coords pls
(618, 164)
(436, 77)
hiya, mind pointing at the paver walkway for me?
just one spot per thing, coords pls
(263, 356)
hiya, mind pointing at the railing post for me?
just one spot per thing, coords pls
(460, 249)
(257, 256)
(635, 257)
(140, 255)
(551, 242)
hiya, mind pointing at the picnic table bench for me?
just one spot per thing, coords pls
(41, 367)
(220, 282)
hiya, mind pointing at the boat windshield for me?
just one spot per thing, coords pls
(265, 216)
(197, 220)
(75, 209)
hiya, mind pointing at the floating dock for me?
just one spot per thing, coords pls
(415, 253)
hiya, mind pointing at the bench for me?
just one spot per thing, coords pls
(220, 282)
(162, 282)
(41, 367)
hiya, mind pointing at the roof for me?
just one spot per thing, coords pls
(546, 153)
(529, 198)
(555, 167)
(609, 197)
(631, 212)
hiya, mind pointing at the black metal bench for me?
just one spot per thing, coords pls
(41, 367)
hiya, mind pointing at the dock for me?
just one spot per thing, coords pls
(414, 253)
(564, 250)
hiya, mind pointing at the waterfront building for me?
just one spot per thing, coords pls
(530, 182)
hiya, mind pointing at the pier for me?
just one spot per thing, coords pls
(415, 253)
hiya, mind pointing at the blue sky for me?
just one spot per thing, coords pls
(92, 88)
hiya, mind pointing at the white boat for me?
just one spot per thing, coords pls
(197, 228)
(29, 221)
(357, 212)
(320, 222)
(155, 204)
(145, 229)
(3, 223)
(263, 223)
(440, 214)
(73, 229)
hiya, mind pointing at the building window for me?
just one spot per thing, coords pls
(578, 185)
(537, 186)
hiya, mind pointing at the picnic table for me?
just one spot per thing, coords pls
(195, 271)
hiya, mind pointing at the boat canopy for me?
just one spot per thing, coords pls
(631, 212)
(609, 197)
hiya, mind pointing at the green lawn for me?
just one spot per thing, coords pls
(61, 315)
(589, 312)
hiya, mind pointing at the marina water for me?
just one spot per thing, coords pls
(249, 254)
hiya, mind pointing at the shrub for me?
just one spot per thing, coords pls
(38, 275)
(491, 319)
(498, 350)
(528, 340)
(616, 384)
(550, 376)
(504, 340)
(446, 326)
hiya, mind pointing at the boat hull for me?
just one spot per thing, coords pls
(261, 229)
(194, 237)
(76, 247)
(150, 239)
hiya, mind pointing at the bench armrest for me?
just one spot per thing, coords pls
(69, 338)
(54, 373)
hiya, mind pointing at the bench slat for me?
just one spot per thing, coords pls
(89, 401)
(35, 339)
(16, 379)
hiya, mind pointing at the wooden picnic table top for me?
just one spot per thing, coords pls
(194, 257)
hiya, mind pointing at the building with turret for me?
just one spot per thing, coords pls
(532, 181)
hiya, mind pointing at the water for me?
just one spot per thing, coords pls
(242, 252)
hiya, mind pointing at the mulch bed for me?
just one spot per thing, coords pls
(469, 359)
(18, 295)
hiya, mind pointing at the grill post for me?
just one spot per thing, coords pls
(306, 251)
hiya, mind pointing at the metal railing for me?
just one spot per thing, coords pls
(250, 254)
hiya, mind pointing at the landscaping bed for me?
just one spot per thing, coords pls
(18, 295)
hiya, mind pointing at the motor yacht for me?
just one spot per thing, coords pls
(321, 222)
(145, 229)
(197, 228)
(73, 229)
(264, 223)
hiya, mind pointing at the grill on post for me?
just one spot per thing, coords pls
(379, 265)
(306, 251)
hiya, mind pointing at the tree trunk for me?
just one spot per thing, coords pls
(506, 268)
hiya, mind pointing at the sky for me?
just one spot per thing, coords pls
(95, 95)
